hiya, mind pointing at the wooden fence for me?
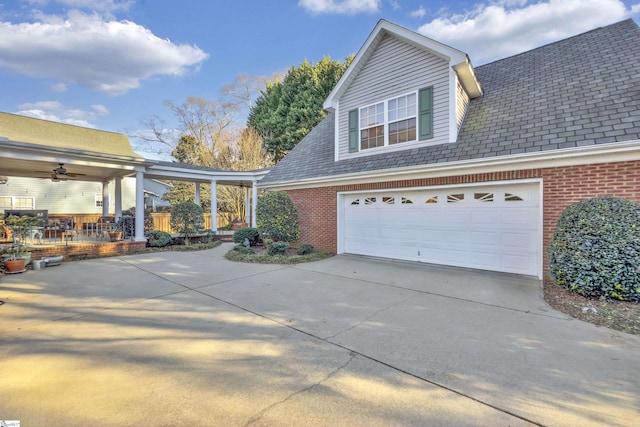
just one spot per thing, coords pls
(161, 221)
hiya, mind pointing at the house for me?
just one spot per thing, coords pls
(425, 157)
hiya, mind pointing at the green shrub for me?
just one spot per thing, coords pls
(244, 250)
(186, 220)
(148, 219)
(595, 249)
(277, 217)
(158, 239)
(277, 248)
(246, 233)
(305, 249)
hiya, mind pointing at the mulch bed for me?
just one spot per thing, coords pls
(618, 315)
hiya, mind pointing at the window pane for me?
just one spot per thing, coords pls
(402, 131)
(24, 202)
(372, 137)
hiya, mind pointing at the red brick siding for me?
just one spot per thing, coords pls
(103, 249)
(317, 207)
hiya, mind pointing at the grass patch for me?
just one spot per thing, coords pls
(263, 258)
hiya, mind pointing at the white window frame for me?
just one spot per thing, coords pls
(387, 122)
(97, 201)
(13, 204)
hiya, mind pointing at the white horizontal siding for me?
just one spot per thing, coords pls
(68, 197)
(393, 69)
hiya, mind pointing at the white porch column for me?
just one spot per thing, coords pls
(105, 198)
(139, 237)
(214, 206)
(254, 202)
(247, 206)
(118, 200)
(198, 194)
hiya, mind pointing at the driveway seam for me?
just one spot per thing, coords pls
(262, 413)
(371, 316)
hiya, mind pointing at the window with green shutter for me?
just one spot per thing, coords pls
(353, 131)
(425, 113)
(406, 118)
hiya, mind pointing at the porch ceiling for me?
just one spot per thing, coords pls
(29, 160)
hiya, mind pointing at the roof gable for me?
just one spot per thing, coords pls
(28, 130)
(456, 59)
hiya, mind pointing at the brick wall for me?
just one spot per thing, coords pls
(317, 207)
(102, 249)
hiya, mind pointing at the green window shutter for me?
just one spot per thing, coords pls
(353, 131)
(425, 113)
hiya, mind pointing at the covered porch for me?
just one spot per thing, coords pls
(58, 152)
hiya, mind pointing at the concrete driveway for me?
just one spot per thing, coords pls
(192, 339)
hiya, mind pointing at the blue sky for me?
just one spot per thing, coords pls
(111, 64)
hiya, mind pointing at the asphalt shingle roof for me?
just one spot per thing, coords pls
(580, 91)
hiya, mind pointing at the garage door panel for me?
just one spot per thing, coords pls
(519, 217)
(485, 238)
(457, 237)
(526, 241)
(485, 217)
(484, 259)
(493, 228)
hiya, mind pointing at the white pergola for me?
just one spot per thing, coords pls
(23, 158)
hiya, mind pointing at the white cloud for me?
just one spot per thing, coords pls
(509, 27)
(59, 87)
(55, 111)
(418, 13)
(105, 55)
(347, 7)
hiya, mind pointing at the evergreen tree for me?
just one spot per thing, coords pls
(286, 111)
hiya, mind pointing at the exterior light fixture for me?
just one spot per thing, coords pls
(3, 180)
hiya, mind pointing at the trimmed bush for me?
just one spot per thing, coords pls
(277, 248)
(277, 217)
(186, 219)
(595, 249)
(148, 219)
(246, 233)
(244, 250)
(305, 249)
(158, 239)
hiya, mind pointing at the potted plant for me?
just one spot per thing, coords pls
(12, 258)
(20, 227)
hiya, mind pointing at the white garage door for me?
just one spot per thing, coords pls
(490, 228)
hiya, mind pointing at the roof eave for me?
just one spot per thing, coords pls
(468, 79)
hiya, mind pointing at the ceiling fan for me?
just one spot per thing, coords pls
(61, 174)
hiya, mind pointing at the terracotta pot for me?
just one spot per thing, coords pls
(14, 265)
(115, 235)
